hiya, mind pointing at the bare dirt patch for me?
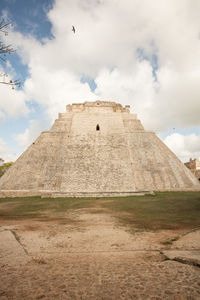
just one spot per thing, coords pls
(92, 257)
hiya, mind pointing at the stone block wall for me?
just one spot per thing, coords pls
(75, 157)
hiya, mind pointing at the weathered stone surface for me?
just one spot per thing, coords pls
(96, 148)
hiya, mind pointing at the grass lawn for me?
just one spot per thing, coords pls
(164, 210)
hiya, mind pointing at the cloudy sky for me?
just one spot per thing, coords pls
(137, 52)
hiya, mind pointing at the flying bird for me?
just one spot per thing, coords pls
(73, 28)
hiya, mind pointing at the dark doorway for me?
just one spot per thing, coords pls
(97, 127)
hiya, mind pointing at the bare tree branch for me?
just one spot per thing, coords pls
(12, 83)
(4, 24)
(4, 50)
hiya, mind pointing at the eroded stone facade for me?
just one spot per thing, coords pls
(96, 148)
(194, 166)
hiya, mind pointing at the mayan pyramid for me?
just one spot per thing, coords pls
(93, 149)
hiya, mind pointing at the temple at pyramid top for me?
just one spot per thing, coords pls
(109, 117)
(100, 106)
(96, 149)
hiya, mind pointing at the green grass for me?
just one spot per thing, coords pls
(36, 207)
(166, 210)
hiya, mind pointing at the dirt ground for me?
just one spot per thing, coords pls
(90, 256)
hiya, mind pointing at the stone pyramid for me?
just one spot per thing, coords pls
(96, 149)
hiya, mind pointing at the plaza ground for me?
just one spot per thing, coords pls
(144, 247)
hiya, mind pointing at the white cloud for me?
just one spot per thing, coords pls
(185, 147)
(55, 90)
(128, 87)
(105, 48)
(177, 102)
(12, 101)
(6, 153)
(30, 134)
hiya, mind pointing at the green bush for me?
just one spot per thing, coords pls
(5, 167)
